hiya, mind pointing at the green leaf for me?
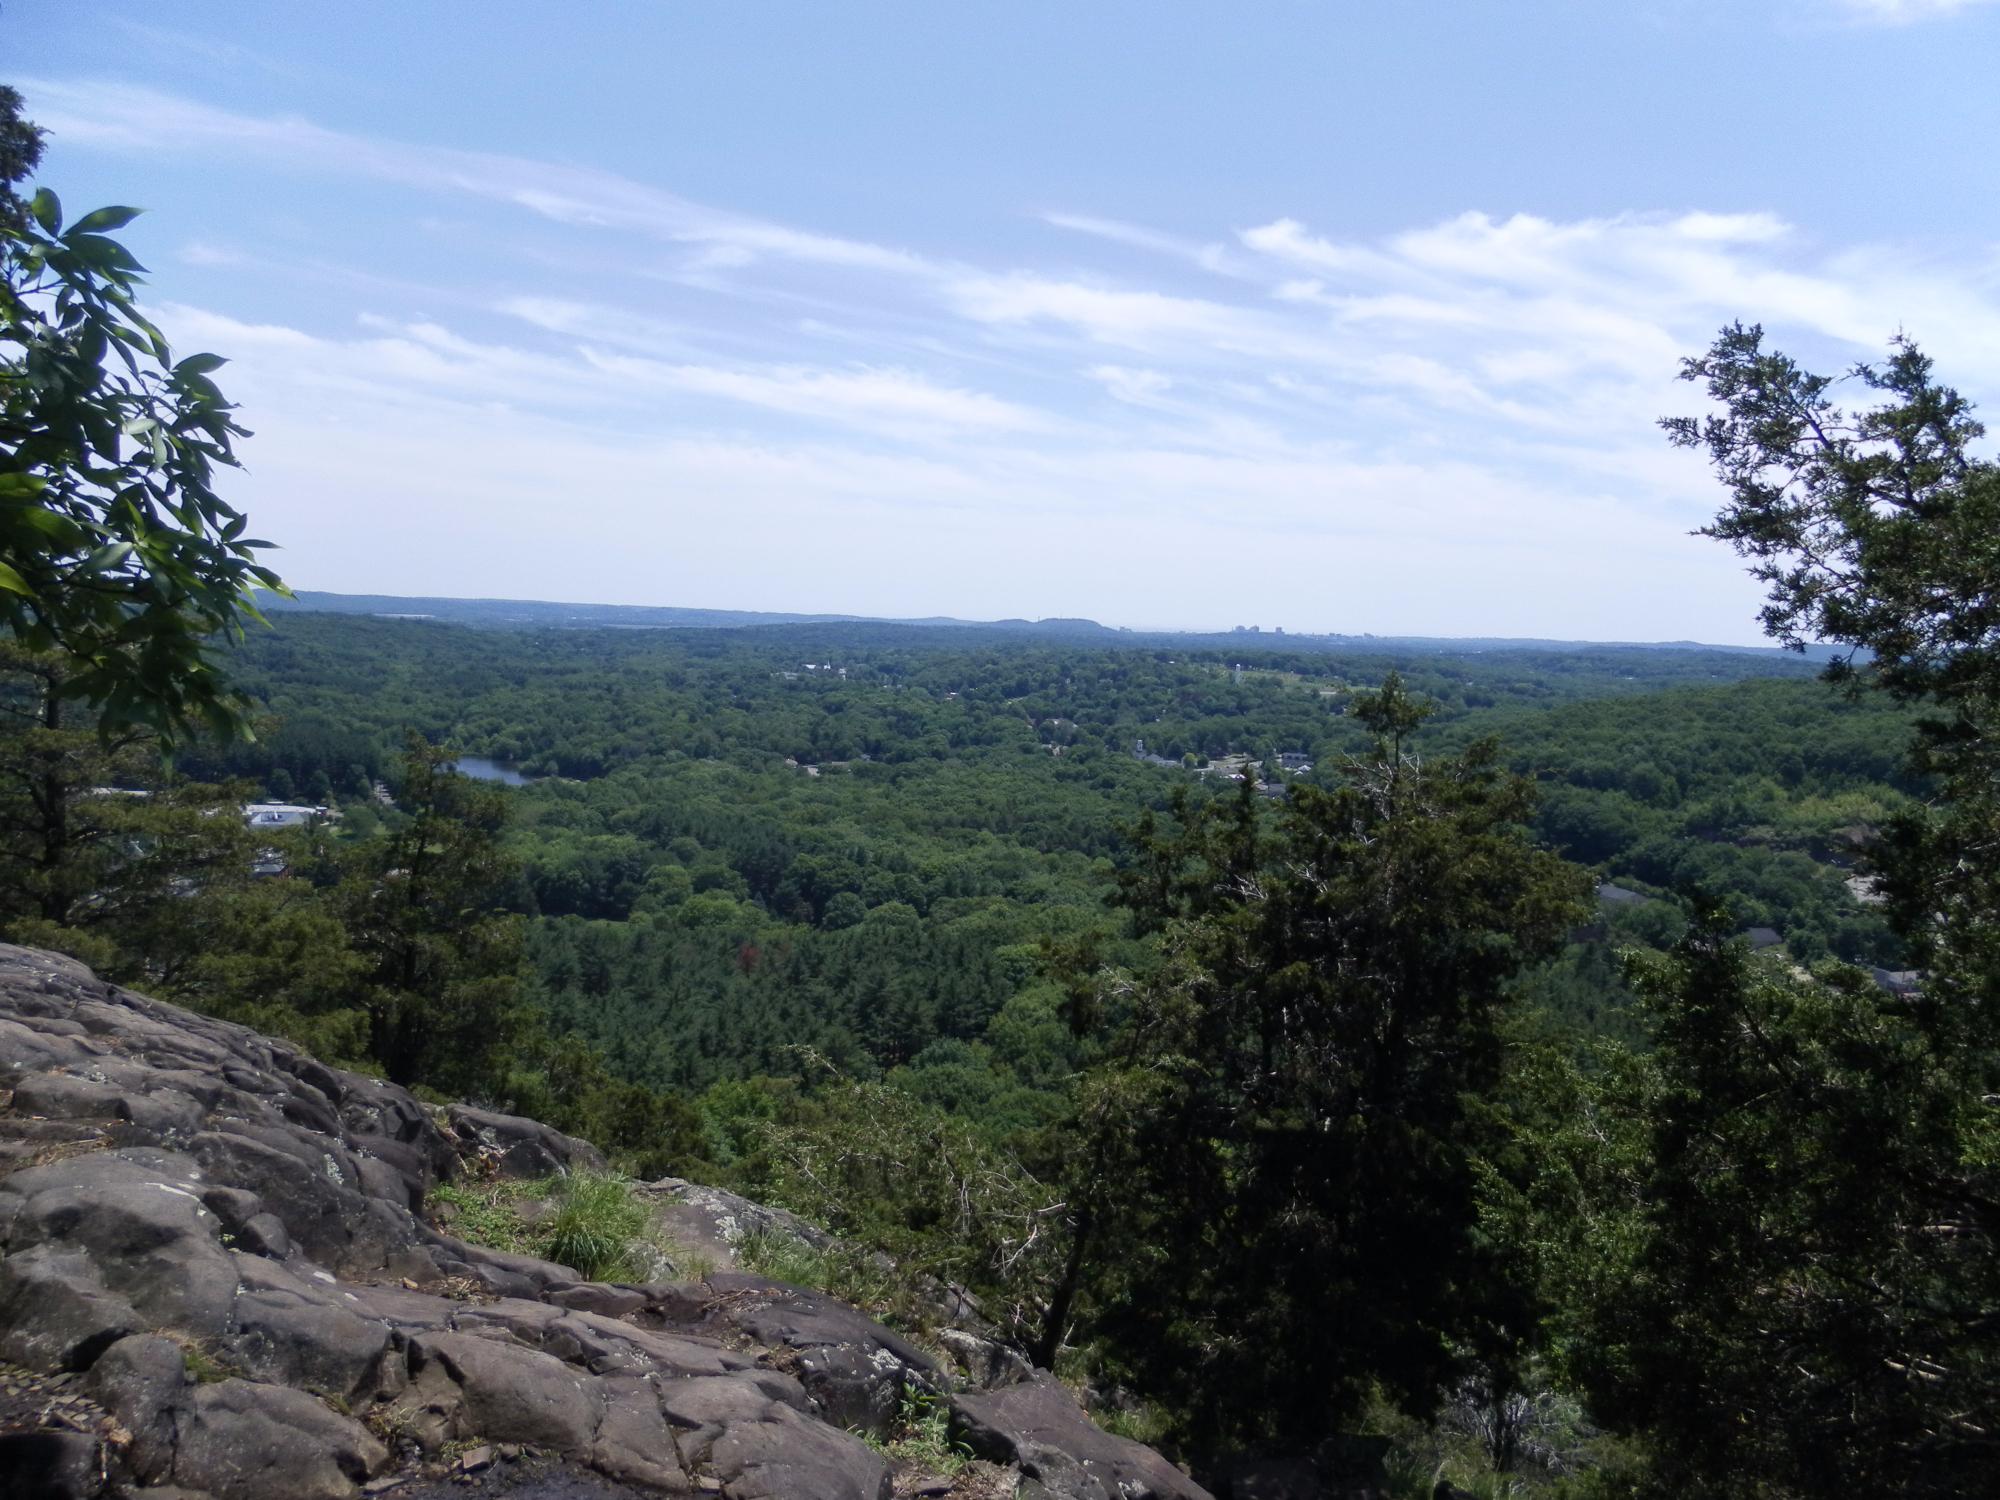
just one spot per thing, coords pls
(47, 209)
(19, 486)
(91, 346)
(13, 582)
(98, 221)
(110, 555)
(200, 364)
(60, 530)
(102, 251)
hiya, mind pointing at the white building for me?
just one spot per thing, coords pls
(281, 814)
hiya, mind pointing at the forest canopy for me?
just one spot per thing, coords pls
(1584, 1057)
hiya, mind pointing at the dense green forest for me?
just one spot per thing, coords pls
(1576, 1067)
(859, 838)
(755, 874)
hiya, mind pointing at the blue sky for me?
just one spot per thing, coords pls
(1335, 316)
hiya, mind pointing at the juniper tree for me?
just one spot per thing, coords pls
(1803, 1290)
(1293, 1214)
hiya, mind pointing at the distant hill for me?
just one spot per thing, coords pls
(538, 614)
(515, 614)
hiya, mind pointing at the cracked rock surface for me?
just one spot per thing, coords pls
(213, 1256)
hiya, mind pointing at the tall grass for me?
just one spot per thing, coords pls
(593, 1226)
(849, 1272)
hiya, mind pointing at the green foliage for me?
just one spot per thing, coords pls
(567, 1083)
(886, 1172)
(692, 902)
(596, 1219)
(489, 1213)
(587, 1221)
(1789, 1199)
(420, 907)
(1877, 527)
(922, 1437)
(1530, 1442)
(116, 551)
(20, 154)
(1793, 1250)
(1290, 1180)
(270, 953)
(100, 844)
(852, 1272)
(1756, 789)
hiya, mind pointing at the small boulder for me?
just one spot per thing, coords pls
(56, 1312)
(512, 1394)
(124, 1232)
(632, 1442)
(240, 1441)
(851, 1365)
(783, 1456)
(522, 1148)
(300, 1332)
(142, 1381)
(1038, 1425)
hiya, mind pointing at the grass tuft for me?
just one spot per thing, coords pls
(591, 1224)
(592, 1229)
(922, 1436)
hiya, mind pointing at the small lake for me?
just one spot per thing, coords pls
(479, 768)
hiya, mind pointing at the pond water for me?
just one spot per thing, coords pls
(479, 768)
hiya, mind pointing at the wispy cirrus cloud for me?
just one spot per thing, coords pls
(125, 117)
(897, 401)
(1445, 427)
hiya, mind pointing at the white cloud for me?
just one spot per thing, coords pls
(898, 401)
(1206, 255)
(1139, 387)
(636, 396)
(207, 253)
(1108, 314)
(127, 118)
(1903, 12)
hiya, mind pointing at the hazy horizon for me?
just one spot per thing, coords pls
(1357, 321)
(1269, 632)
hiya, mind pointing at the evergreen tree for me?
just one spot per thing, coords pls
(103, 851)
(1293, 1200)
(424, 907)
(1811, 1196)
(1800, 1299)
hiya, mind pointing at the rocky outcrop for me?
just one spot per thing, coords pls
(214, 1262)
(1036, 1426)
(515, 1147)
